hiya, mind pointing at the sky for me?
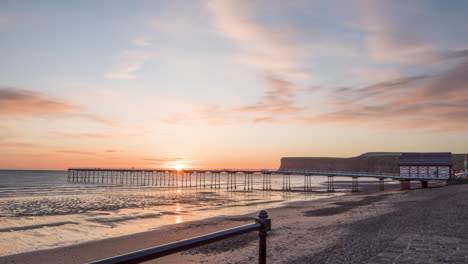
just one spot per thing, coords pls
(228, 84)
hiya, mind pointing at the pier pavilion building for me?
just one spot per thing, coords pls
(425, 167)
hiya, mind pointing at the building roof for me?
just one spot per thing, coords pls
(425, 159)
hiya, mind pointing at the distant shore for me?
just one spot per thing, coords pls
(352, 228)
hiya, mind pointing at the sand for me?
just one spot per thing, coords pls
(353, 228)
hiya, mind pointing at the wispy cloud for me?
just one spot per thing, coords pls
(82, 135)
(19, 104)
(141, 42)
(262, 47)
(111, 150)
(66, 151)
(278, 98)
(391, 39)
(15, 101)
(163, 159)
(128, 63)
(169, 161)
(20, 145)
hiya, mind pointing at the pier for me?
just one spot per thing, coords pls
(211, 178)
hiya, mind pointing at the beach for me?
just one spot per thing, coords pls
(351, 228)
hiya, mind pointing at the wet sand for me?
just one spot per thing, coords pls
(353, 228)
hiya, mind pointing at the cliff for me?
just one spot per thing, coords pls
(377, 162)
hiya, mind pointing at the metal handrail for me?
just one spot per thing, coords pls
(262, 225)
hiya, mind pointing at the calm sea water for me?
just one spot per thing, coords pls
(19, 183)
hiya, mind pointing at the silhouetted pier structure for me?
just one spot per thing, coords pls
(211, 178)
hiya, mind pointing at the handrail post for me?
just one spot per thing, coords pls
(262, 234)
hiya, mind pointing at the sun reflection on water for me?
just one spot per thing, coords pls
(178, 209)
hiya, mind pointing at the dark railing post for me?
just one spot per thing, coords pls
(262, 234)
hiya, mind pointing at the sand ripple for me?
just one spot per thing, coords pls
(59, 205)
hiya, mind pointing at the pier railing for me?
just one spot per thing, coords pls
(262, 225)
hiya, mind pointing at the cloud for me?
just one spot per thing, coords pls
(163, 159)
(182, 26)
(432, 102)
(394, 32)
(111, 150)
(141, 42)
(93, 118)
(128, 63)
(278, 98)
(201, 113)
(382, 91)
(277, 103)
(262, 47)
(397, 43)
(449, 87)
(20, 145)
(94, 135)
(168, 161)
(75, 152)
(79, 135)
(15, 101)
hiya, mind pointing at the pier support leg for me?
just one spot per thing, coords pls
(264, 181)
(331, 184)
(286, 182)
(381, 182)
(405, 185)
(424, 184)
(355, 187)
(251, 181)
(245, 181)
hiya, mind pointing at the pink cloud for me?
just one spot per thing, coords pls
(24, 102)
(21, 104)
(262, 47)
(391, 40)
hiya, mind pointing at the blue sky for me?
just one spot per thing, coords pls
(228, 83)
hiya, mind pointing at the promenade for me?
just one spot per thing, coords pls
(417, 248)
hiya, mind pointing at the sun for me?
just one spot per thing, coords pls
(178, 167)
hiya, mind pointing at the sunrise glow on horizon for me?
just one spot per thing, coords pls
(228, 84)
